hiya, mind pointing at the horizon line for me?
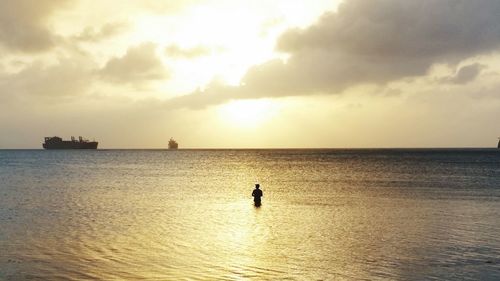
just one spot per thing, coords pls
(271, 148)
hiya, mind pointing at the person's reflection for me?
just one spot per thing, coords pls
(257, 194)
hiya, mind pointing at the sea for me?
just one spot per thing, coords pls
(326, 214)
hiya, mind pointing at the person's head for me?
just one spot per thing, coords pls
(257, 185)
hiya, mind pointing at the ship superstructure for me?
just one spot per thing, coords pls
(172, 144)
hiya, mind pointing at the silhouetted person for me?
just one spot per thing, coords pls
(257, 194)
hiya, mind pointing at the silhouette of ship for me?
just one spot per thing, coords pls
(498, 146)
(59, 143)
(172, 144)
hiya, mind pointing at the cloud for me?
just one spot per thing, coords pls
(139, 64)
(465, 74)
(91, 34)
(162, 6)
(372, 42)
(214, 94)
(23, 24)
(178, 52)
(68, 77)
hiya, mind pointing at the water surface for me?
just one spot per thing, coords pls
(188, 215)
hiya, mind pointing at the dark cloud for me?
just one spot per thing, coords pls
(139, 64)
(370, 41)
(373, 42)
(22, 24)
(465, 74)
(403, 29)
(176, 51)
(108, 30)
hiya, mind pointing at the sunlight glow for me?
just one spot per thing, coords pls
(248, 113)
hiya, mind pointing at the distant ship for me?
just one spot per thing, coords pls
(59, 143)
(172, 144)
(498, 146)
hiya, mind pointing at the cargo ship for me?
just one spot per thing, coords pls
(59, 143)
(172, 144)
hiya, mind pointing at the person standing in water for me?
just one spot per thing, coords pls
(257, 194)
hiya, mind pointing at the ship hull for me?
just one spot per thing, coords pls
(71, 145)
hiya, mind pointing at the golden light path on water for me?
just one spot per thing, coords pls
(188, 215)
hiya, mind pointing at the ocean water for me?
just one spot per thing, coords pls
(188, 215)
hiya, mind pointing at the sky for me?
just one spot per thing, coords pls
(251, 74)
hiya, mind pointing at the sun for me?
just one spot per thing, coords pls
(248, 113)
